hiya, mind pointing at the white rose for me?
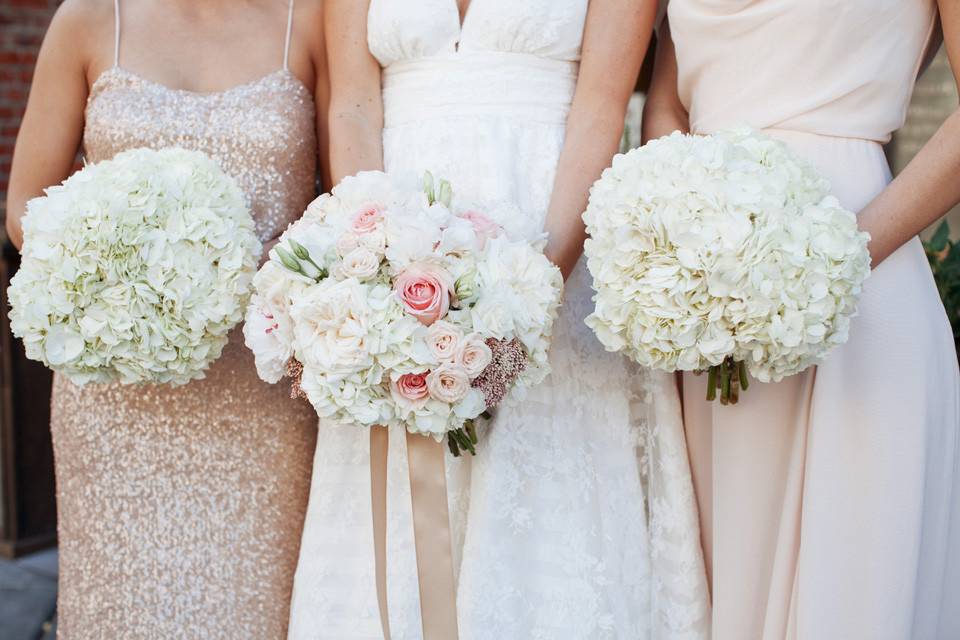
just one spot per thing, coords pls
(347, 242)
(360, 263)
(473, 355)
(443, 339)
(448, 383)
(375, 241)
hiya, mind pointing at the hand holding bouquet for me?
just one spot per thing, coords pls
(135, 269)
(388, 305)
(723, 254)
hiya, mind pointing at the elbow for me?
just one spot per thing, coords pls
(14, 230)
(662, 118)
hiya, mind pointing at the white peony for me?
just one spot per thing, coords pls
(710, 251)
(135, 269)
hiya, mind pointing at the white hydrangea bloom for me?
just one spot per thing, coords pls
(135, 269)
(704, 248)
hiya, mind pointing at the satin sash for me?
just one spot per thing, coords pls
(431, 531)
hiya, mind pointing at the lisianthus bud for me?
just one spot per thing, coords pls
(445, 193)
(288, 259)
(465, 286)
(299, 250)
(428, 186)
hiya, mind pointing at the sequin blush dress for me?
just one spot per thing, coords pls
(181, 509)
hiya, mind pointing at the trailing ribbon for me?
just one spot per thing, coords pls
(431, 532)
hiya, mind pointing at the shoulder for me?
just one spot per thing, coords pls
(84, 14)
(85, 28)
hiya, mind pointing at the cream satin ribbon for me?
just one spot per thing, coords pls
(431, 531)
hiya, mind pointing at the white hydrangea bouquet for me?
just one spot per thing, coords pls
(135, 269)
(385, 304)
(724, 254)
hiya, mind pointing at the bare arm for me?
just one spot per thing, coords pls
(321, 96)
(52, 126)
(663, 113)
(615, 39)
(356, 105)
(929, 186)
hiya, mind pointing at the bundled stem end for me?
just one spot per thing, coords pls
(728, 378)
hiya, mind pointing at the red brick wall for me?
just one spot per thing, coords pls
(22, 25)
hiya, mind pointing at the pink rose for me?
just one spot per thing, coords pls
(484, 227)
(424, 291)
(366, 219)
(410, 390)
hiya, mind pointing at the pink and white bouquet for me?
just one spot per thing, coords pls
(386, 304)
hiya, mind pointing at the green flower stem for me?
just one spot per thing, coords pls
(471, 429)
(724, 383)
(742, 373)
(712, 384)
(452, 445)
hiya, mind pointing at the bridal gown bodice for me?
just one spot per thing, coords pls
(551, 538)
(489, 99)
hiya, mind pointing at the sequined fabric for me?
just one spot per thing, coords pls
(181, 508)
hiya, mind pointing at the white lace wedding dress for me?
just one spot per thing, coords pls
(576, 519)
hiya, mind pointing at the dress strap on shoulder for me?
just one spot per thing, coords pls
(116, 33)
(286, 43)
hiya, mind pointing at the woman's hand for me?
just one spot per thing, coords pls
(930, 185)
(615, 40)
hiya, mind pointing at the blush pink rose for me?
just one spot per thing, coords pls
(366, 219)
(483, 226)
(424, 291)
(448, 383)
(410, 390)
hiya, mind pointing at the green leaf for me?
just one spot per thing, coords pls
(938, 241)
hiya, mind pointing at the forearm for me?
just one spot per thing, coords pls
(356, 144)
(663, 112)
(593, 137)
(923, 192)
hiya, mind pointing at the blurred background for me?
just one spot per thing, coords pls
(28, 569)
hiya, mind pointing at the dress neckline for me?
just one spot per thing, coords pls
(118, 70)
(461, 21)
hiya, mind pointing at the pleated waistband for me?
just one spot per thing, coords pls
(512, 85)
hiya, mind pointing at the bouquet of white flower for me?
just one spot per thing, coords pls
(135, 269)
(721, 253)
(387, 305)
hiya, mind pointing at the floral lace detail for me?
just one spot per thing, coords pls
(576, 519)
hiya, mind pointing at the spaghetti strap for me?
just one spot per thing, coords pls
(116, 33)
(286, 44)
